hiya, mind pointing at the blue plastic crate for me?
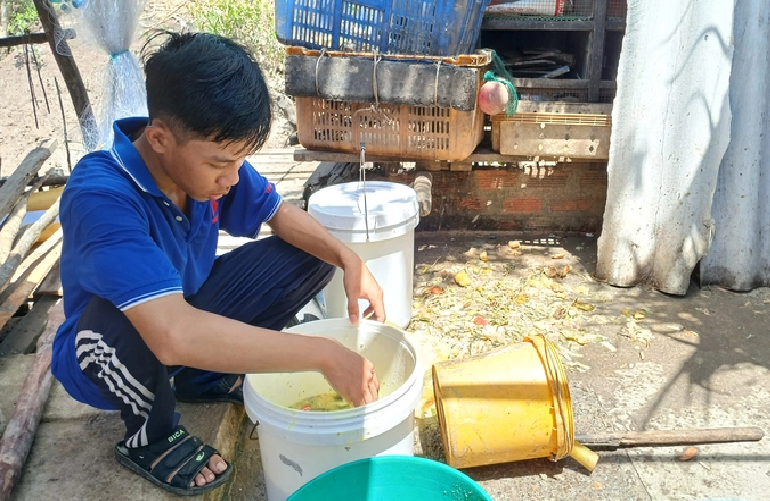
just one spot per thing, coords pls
(424, 27)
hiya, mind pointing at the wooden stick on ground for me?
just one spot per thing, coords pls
(14, 186)
(10, 228)
(22, 426)
(29, 275)
(25, 243)
(667, 438)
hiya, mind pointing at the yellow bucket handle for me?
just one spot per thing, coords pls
(554, 369)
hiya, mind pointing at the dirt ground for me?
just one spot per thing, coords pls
(699, 361)
(18, 131)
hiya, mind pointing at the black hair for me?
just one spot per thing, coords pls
(209, 87)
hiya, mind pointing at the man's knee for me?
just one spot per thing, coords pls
(101, 314)
(101, 322)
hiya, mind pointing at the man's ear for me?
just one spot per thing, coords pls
(159, 136)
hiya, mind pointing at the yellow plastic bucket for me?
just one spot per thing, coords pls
(507, 405)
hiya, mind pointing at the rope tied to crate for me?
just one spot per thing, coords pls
(317, 63)
(377, 59)
(435, 85)
(499, 74)
(375, 108)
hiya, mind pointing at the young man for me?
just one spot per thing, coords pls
(152, 315)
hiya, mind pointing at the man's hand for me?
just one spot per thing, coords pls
(351, 375)
(297, 227)
(359, 283)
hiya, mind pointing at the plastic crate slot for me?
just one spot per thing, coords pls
(360, 27)
(424, 27)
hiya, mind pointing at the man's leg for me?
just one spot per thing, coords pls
(113, 355)
(263, 283)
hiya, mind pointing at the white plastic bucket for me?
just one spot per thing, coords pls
(393, 214)
(297, 446)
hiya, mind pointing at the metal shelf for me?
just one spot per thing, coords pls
(596, 25)
(522, 23)
(537, 24)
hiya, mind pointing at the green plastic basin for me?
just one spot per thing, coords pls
(392, 478)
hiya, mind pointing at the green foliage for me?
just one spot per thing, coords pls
(249, 22)
(21, 16)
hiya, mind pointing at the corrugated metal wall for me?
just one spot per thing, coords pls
(671, 128)
(739, 257)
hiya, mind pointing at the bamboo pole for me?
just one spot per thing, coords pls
(22, 426)
(12, 225)
(9, 268)
(16, 184)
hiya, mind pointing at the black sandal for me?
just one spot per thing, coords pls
(229, 389)
(172, 463)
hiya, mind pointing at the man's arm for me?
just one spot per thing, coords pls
(179, 334)
(298, 228)
(119, 261)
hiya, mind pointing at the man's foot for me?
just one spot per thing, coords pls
(180, 463)
(228, 389)
(216, 466)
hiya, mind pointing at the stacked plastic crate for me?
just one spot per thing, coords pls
(339, 48)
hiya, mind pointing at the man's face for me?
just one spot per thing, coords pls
(204, 169)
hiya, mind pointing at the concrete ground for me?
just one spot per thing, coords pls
(72, 455)
(705, 365)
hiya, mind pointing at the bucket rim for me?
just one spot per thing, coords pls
(402, 212)
(302, 423)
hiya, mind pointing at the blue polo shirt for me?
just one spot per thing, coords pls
(125, 241)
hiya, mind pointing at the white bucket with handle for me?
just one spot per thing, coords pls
(298, 445)
(377, 220)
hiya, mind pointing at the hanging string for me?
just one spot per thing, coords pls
(115, 55)
(498, 73)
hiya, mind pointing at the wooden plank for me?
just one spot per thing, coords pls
(541, 139)
(51, 284)
(564, 108)
(24, 335)
(35, 267)
(53, 180)
(43, 200)
(47, 233)
(30, 236)
(12, 224)
(551, 83)
(24, 174)
(596, 54)
(461, 166)
(483, 154)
